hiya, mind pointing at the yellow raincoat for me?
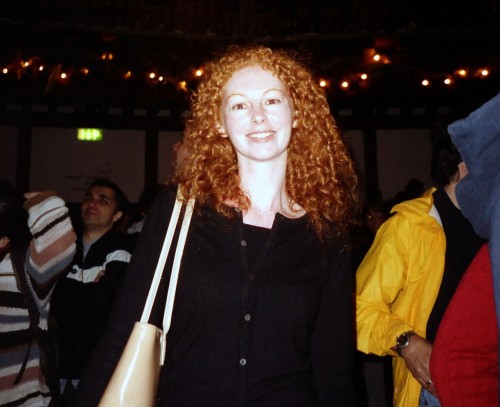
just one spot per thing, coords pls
(397, 284)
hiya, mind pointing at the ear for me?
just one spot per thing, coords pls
(117, 216)
(462, 170)
(221, 130)
(295, 122)
(4, 241)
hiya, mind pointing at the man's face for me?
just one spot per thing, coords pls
(98, 208)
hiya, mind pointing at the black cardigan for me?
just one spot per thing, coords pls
(280, 334)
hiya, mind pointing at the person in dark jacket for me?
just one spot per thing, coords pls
(82, 300)
(263, 314)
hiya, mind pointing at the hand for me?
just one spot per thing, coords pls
(99, 276)
(417, 356)
(29, 195)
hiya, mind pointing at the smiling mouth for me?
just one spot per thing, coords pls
(261, 135)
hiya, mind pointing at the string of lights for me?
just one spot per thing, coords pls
(356, 80)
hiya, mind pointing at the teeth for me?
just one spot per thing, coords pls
(261, 135)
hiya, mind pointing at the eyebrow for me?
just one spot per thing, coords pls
(267, 91)
(235, 94)
(104, 196)
(90, 194)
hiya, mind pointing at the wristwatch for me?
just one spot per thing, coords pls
(402, 341)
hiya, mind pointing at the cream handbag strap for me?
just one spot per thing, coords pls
(169, 306)
(146, 313)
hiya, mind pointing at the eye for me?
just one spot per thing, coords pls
(272, 101)
(238, 106)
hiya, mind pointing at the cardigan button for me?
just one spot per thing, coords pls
(243, 243)
(243, 362)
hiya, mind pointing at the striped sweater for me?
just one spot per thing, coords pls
(82, 299)
(50, 252)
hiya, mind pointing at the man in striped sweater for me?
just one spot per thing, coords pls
(27, 278)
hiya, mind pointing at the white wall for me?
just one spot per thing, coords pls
(60, 161)
(166, 139)
(402, 155)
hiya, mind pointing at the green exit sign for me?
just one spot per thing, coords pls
(89, 134)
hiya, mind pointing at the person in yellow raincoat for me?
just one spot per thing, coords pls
(409, 275)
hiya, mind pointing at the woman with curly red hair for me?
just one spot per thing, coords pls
(319, 171)
(263, 313)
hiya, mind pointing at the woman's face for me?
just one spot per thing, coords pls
(257, 115)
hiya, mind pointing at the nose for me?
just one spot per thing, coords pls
(91, 202)
(259, 116)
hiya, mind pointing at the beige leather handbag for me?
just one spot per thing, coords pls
(135, 380)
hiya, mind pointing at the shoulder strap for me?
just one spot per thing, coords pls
(17, 256)
(167, 316)
(172, 286)
(146, 313)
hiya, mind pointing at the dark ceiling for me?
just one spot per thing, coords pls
(419, 39)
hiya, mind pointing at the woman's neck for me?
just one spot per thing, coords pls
(264, 183)
(265, 186)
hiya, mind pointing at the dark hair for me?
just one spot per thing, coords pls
(445, 160)
(120, 197)
(414, 188)
(13, 217)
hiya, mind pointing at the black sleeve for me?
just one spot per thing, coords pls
(333, 340)
(128, 304)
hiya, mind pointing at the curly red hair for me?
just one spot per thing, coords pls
(320, 172)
